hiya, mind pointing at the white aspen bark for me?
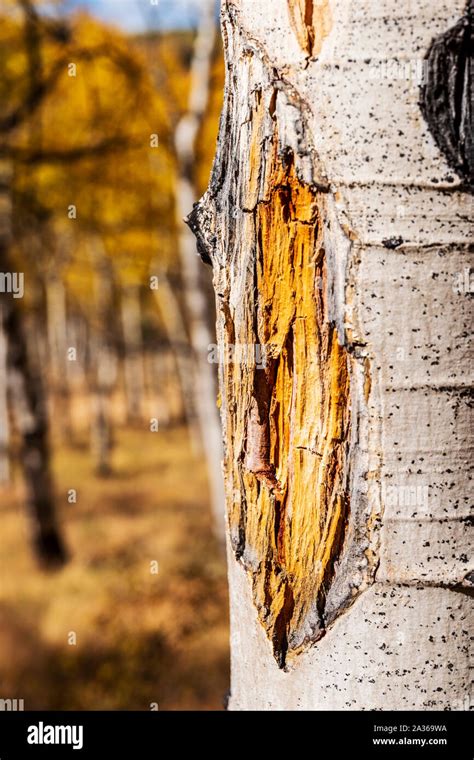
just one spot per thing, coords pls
(57, 320)
(56, 312)
(104, 364)
(205, 394)
(339, 235)
(78, 332)
(172, 317)
(133, 345)
(166, 402)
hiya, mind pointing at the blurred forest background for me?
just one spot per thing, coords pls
(112, 575)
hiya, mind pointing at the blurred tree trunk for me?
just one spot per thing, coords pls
(171, 315)
(56, 308)
(30, 409)
(197, 305)
(103, 361)
(24, 378)
(78, 329)
(336, 229)
(30, 413)
(4, 418)
(101, 427)
(133, 346)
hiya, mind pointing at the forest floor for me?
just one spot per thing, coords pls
(141, 637)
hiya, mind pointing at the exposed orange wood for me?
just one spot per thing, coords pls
(311, 22)
(291, 418)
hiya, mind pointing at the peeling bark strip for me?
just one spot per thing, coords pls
(447, 96)
(287, 427)
(311, 22)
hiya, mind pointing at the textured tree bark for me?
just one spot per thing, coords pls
(337, 231)
(197, 305)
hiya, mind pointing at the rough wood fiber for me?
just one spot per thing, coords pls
(290, 521)
(311, 21)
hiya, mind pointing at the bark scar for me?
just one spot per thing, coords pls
(258, 459)
(446, 96)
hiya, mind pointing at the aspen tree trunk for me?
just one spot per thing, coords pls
(30, 410)
(56, 309)
(103, 365)
(133, 345)
(337, 224)
(31, 418)
(101, 428)
(78, 330)
(171, 314)
(56, 318)
(197, 306)
(4, 417)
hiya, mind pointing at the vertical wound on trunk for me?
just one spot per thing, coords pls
(290, 519)
(311, 22)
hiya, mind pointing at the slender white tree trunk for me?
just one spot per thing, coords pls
(133, 344)
(57, 325)
(172, 317)
(205, 392)
(338, 231)
(56, 311)
(104, 364)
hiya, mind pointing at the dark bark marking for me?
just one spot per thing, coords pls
(447, 96)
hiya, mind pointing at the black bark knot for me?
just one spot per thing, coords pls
(447, 96)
